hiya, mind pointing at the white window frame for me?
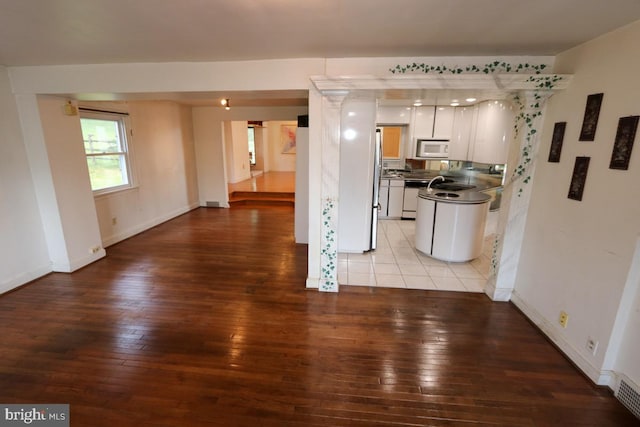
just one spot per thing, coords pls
(122, 120)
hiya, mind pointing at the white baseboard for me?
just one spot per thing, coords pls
(596, 375)
(78, 263)
(26, 277)
(313, 282)
(132, 231)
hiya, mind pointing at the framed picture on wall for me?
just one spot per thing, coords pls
(625, 136)
(591, 114)
(288, 139)
(556, 142)
(579, 178)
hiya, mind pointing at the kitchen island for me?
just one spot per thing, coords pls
(450, 224)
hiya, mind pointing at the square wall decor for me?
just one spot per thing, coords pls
(591, 114)
(625, 136)
(579, 178)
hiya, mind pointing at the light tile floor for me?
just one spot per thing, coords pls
(397, 264)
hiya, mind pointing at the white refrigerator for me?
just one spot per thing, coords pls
(360, 165)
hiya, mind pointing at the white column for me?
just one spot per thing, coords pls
(324, 175)
(516, 194)
(331, 109)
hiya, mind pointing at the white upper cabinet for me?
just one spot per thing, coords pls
(433, 122)
(423, 118)
(443, 122)
(494, 132)
(463, 134)
(391, 115)
(430, 122)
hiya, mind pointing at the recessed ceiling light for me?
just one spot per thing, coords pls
(417, 103)
(454, 104)
(470, 99)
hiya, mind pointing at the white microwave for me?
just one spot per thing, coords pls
(432, 148)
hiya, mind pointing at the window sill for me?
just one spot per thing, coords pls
(106, 193)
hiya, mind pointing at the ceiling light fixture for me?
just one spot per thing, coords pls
(225, 103)
(470, 99)
(454, 103)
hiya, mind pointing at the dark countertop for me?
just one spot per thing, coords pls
(458, 197)
(480, 181)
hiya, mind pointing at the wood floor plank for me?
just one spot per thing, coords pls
(205, 321)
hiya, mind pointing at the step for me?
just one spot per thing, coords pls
(261, 198)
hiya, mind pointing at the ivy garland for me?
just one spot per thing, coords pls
(526, 118)
(329, 247)
(489, 68)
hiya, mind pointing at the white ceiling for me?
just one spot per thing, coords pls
(47, 32)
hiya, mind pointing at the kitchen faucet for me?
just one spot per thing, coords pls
(431, 182)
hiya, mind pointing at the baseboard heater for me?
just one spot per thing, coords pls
(629, 397)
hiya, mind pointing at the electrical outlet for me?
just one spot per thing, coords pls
(592, 345)
(94, 250)
(564, 318)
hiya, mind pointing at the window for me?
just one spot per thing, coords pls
(105, 145)
(252, 145)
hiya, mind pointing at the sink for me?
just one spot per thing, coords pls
(447, 195)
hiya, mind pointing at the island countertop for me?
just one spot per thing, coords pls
(461, 197)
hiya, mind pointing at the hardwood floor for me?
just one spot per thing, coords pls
(205, 321)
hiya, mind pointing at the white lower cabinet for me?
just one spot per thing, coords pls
(383, 199)
(451, 232)
(410, 202)
(396, 190)
(391, 194)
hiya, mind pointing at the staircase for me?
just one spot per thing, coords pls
(262, 198)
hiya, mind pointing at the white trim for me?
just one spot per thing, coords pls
(111, 240)
(313, 282)
(505, 82)
(597, 376)
(497, 294)
(25, 277)
(78, 263)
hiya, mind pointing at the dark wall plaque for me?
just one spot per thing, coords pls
(591, 114)
(579, 178)
(623, 144)
(556, 142)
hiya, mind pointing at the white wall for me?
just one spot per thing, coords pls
(210, 157)
(23, 248)
(261, 142)
(237, 151)
(576, 255)
(76, 233)
(302, 186)
(279, 161)
(164, 161)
